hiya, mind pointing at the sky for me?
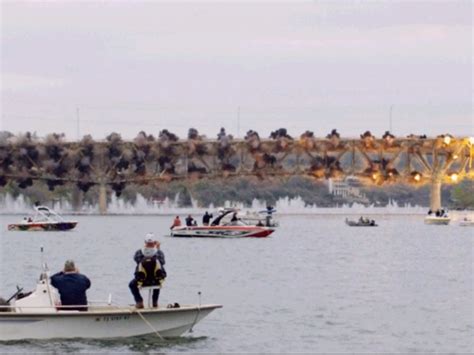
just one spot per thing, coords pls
(121, 66)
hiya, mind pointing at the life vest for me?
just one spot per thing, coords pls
(150, 272)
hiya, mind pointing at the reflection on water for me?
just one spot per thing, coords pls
(316, 285)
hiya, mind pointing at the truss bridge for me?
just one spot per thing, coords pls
(113, 163)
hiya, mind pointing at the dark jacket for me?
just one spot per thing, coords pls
(138, 257)
(149, 272)
(72, 288)
(206, 218)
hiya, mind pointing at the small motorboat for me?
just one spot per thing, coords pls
(440, 217)
(362, 222)
(221, 229)
(44, 219)
(466, 222)
(39, 315)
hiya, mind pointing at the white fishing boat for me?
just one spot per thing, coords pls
(439, 217)
(44, 219)
(39, 315)
(466, 222)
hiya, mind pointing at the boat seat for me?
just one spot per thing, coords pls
(150, 292)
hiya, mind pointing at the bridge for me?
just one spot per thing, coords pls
(113, 163)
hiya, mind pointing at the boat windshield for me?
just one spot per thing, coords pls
(44, 214)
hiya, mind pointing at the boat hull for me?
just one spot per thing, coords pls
(437, 220)
(59, 226)
(355, 224)
(121, 323)
(222, 232)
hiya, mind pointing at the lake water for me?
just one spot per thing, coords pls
(315, 285)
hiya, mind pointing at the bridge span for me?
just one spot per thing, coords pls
(113, 163)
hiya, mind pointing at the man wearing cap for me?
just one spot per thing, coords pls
(149, 270)
(152, 247)
(72, 286)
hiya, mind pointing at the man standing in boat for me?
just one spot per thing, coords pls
(206, 219)
(176, 223)
(149, 270)
(72, 286)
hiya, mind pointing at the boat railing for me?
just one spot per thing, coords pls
(58, 308)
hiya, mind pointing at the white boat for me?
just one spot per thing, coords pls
(37, 316)
(219, 228)
(44, 219)
(437, 220)
(466, 222)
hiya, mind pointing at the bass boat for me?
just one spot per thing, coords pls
(44, 219)
(219, 229)
(362, 222)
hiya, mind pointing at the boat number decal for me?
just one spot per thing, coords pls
(111, 318)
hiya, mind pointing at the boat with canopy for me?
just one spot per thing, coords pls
(222, 227)
(44, 219)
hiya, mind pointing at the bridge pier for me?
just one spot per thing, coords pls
(102, 198)
(435, 196)
(76, 199)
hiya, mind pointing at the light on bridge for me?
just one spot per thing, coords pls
(454, 177)
(471, 140)
(416, 176)
(447, 139)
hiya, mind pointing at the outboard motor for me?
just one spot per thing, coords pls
(4, 302)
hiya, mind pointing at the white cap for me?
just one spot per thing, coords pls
(150, 238)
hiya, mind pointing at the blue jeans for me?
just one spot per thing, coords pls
(133, 285)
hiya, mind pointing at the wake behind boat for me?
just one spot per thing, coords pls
(44, 219)
(220, 229)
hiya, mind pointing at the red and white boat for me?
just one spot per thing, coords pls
(217, 229)
(44, 219)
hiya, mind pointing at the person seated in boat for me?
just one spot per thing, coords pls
(176, 223)
(72, 287)
(260, 224)
(29, 220)
(190, 221)
(206, 219)
(151, 248)
(148, 273)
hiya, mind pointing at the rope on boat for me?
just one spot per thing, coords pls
(149, 324)
(197, 314)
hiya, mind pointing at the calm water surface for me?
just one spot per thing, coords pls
(315, 286)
